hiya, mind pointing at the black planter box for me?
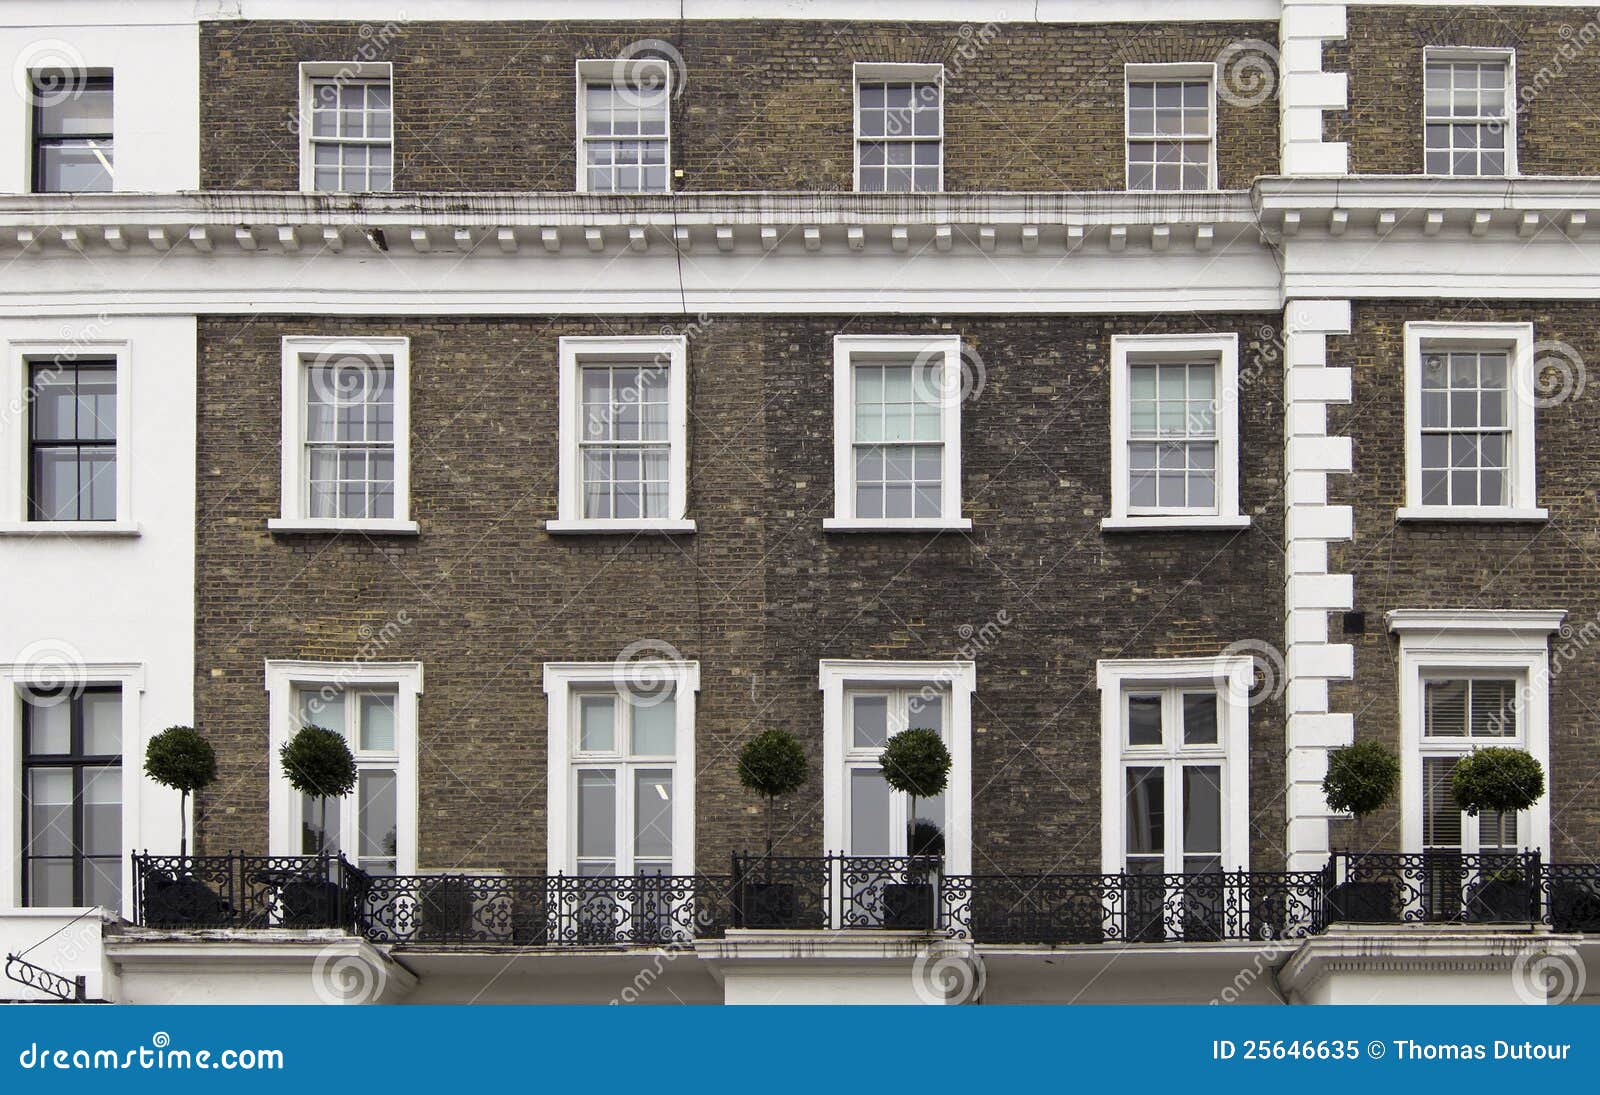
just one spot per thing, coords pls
(1501, 901)
(311, 903)
(908, 906)
(769, 905)
(1375, 902)
(183, 903)
(1574, 906)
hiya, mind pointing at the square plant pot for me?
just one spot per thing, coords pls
(1376, 902)
(183, 903)
(769, 905)
(908, 906)
(1501, 901)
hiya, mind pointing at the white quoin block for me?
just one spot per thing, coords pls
(1307, 557)
(1335, 661)
(1334, 592)
(1318, 384)
(1307, 696)
(1312, 21)
(1306, 420)
(1320, 523)
(1301, 55)
(1307, 765)
(1307, 625)
(1306, 488)
(1321, 731)
(1327, 317)
(1324, 90)
(1307, 800)
(1319, 453)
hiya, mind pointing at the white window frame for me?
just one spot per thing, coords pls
(283, 679)
(1475, 643)
(958, 680)
(564, 682)
(1232, 676)
(610, 70)
(293, 485)
(1517, 340)
(576, 350)
(1127, 350)
(876, 72)
(17, 677)
(346, 70)
(1185, 70)
(14, 457)
(845, 349)
(1478, 54)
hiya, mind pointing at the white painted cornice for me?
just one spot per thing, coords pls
(1391, 205)
(1514, 620)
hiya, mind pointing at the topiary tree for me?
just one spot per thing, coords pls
(917, 763)
(1362, 778)
(317, 762)
(180, 758)
(1496, 778)
(772, 764)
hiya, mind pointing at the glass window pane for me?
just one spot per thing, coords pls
(377, 800)
(926, 713)
(1202, 808)
(1441, 817)
(1445, 709)
(597, 722)
(312, 839)
(652, 814)
(102, 882)
(597, 814)
(1199, 718)
(102, 811)
(102, 724)
(49, 811)
(655, 728)
(322, 707)
(1493, 709)
(50, 883)
(869, 813)
(1146, 811)
(869, 721)
(377, 722)
(49, 719)
(1144, 720)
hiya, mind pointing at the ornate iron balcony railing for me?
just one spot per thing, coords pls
(833, 893)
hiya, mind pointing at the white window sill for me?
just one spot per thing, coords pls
(902, 524)
(1470, 513)
(1169, 522)
(382, 527)
(664, 527)
(83, 529)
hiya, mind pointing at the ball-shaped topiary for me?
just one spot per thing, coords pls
(180, 758)
(317, 762)
(1497, 780)
(771, 764)
(1361, 778)
(916, 762)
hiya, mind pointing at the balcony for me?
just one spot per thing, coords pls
(836, 893)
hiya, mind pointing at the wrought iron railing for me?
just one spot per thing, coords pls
(543, 910)
(851, 893)
(1133, 908)
(246, 891)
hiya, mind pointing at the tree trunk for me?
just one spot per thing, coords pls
(183, 826)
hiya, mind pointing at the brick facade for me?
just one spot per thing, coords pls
(1557, 66)
(765, 105)
(757, 595)
(1477, 565)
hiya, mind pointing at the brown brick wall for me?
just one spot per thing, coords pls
(1445, 565)
(765, 106)
(1556, 74)
(757, 595)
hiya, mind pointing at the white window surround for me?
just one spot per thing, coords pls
(14, 468)
(324, 70)
(282, 679)
(1517, 340)
(1224, 350)
(870, 71)
(16, 676)
(961, 679)
(1233, 676)
(1442, 54)
(297, 350)
(575, 351)
(561, 681)
(845, 347)
(610, 70)
(1514, 643)
(1177, 70)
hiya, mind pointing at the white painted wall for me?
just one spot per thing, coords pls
(78, 603)
(155, 97)
(67, 942)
